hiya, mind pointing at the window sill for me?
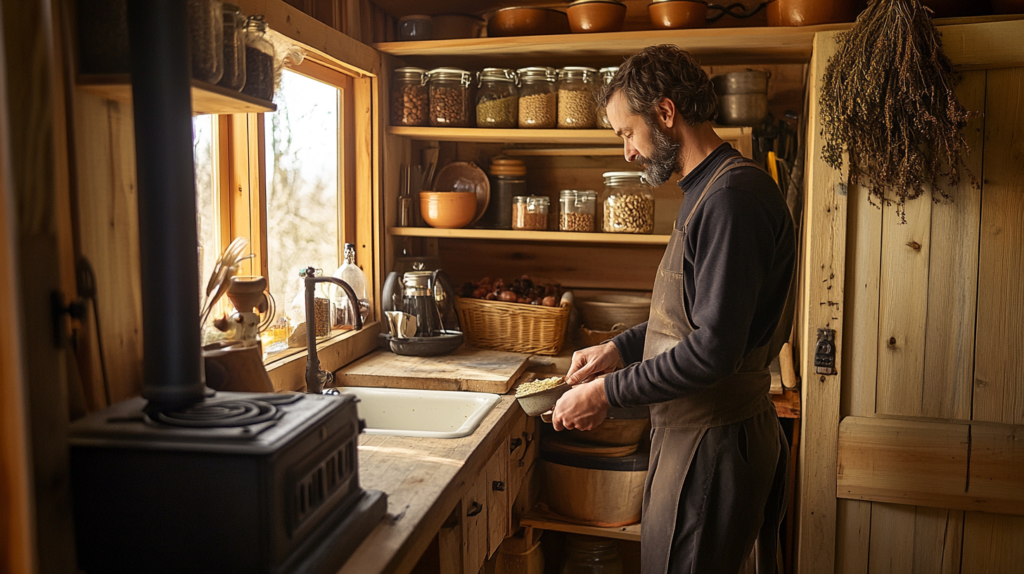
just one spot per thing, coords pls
(289, 373)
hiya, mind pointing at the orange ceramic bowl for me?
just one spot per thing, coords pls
(527, 21)
(448, 209)
(596, 16)
(676, 14)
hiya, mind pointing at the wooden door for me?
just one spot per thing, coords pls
(913, 455)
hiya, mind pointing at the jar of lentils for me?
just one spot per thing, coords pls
(602, 114)
(206, 39)
(497, 100)
(234, 48)
(538, 97)
(449, 97)
(259, 60)
(576, 210)
(628, 203)
(409, 100)
(530, 212)
(576, 106)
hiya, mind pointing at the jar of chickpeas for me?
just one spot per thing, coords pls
(627, 203)
(576, 106)
(538, 97)
(409, 98)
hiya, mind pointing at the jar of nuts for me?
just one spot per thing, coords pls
(576, 210)
(409, 97)
(449, 97)
(530, 212)
(538, 97)
(497, 101)
(602, 114)
(576, 105)
(628, 203)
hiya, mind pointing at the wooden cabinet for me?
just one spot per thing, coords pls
(474, 525)
(495, 476)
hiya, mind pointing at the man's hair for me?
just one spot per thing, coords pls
(663, 71)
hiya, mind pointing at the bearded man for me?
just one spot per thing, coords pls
(720, 311)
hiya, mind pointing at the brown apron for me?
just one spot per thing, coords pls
(680, 424)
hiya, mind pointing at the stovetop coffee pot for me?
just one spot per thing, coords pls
(426, 295)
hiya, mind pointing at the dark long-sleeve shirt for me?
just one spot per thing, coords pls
(738, 264)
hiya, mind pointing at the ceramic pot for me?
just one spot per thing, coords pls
(811, 12)
(678, 14)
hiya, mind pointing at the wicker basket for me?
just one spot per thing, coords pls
(501, 326)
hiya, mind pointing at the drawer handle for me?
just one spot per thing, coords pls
(474, 509)
(498, 485)
(515, 443)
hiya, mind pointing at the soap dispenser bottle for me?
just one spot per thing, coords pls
(350, 273)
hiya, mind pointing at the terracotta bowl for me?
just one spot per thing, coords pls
(596, 16)
(448, 209)
(677, 14)
(811, 12)
(465, 176)
(527, 21)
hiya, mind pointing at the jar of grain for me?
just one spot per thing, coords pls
(628, 203)
(497, 101)
(576, 106)
(576, 210)
(449, 97)
(409, 105)
(259, 60)
(234, 48)
(602, 114)
(538, 97)
(206, 39)
(530, 212)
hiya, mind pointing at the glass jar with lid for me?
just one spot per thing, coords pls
(449, 97)
(606, 77)
(206, 39)
(234, 48)
(497, 100)
(628, 203)
(576, 210)
(538, 97)
(409, 99)
(592, 555)
(576, 105)
(530, 212)
(259, 60)
(508, 180)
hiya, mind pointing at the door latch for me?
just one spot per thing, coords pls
(825, 352)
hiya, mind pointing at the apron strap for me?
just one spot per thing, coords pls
(733, 163)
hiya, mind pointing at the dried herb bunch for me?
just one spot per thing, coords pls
(888, 101)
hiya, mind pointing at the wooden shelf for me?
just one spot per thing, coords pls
(512, 235)
(545, 521)
(530, 136)
(206, 98)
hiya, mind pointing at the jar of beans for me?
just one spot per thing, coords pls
(576, 105)
(409, 100)
(206, 39)
(449, 97)
(497, 101)
(602, 114)
(530, 212)
(628, 203)
(538, 97)
(234, 48)
(576, 210)
(259, 60)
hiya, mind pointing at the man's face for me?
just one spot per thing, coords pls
(653, 147)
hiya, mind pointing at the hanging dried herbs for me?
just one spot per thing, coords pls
(888, 101)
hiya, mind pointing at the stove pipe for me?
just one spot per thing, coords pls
(168, 249)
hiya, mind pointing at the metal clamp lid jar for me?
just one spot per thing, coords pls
(449, 97)
(537, 97)
(497, 101)
(606, 77)
(628, 203)
(259, 60)
(233, 48)
(409, 99)
(576, 106)
(577, 209)
(530, 212)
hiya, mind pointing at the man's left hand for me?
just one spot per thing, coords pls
(583, 407)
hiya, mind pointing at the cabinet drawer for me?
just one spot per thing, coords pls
(498, 492)
(474, 525)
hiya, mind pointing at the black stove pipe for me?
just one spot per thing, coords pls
(168, 249)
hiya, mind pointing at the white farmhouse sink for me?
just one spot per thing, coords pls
(417, 413)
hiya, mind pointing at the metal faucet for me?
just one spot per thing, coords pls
(317, 378)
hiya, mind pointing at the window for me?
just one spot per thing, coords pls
(207, 200)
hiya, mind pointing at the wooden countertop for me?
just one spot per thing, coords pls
(423, 479)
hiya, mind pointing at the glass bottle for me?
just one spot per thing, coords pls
(538, 97)
(602, 114)
(349, 272)
(206, 39)
(508, 180)
(234, 48)
(497, 101)
(259, 60)
(576, 106)
(409, 97)
(628, 203)
(592, 555)
(576, 210)
(530, 213)
(449, 97)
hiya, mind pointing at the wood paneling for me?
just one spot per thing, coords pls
(997, 463)
(853, 536)
(993, 544)
(915, 540)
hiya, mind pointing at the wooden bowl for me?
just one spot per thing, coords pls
(613, 432)
(595, 491)
(603, 311)
(677, 14)
(527, 21)
(596, 16)
(448, 209)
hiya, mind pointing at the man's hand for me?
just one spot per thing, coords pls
(592, 362)
(582, 407)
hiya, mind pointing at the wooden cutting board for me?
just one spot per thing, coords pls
(466, 369)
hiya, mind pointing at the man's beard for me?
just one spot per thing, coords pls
(664, 159)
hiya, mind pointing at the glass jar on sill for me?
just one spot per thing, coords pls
(530, 213)
(409, 99)
(592, 555)
(628, 203)
(538, 97)
(602, 114)
(576, 106)
(234, 48)
(259, 60)
(576, 210)
(449, 97)
(497, 99)
(206, 39)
